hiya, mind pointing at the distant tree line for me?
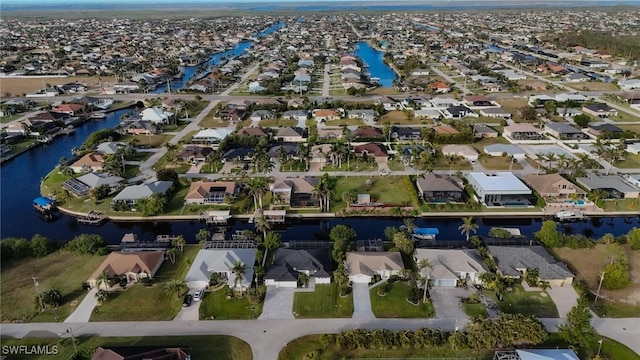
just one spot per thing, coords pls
(40, 246)
(616, 45)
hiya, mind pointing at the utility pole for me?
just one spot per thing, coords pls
(599, 286)
(36, 284)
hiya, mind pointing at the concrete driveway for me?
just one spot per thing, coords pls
(278, 304)
(565, 297)
(83, 312)
(190, 313)
(446, 302)
(362, 302)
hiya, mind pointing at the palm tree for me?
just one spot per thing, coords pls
(262, 225)
(238, 269)
(409, 224)
(175, 286)
(423, 265)
(179, 242)
(468, 227)
(347, 197)
(171, 254)
(451, 160)
(203, 235)
(551, 157)
(103, 281)
(562, 162)
(257, 188)
(511, 159)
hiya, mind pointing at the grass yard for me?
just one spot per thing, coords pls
(621, 204)
(631, 161)
(396, 165)
(586, 264)
(277, 123)
(209, 121)
(293, 165)
(526, 303)
(625, 116)
(512, 105)
(499, 163)
(225, 347)
(176, 202)
(395, 305)
(345, 122)
(384, 91)
(475, 310)
(384, 189)
(397, 117)
(60, 271)
(481, 143)
(8, 119)
(352, 165)
(324, 302)
(153, 141)
(188, 137)
(19, 86)
(592, 86)
(148, 303)
(215, 304)
(179, 166)
(21, 146)
(634, 128)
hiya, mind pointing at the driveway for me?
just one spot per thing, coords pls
(446, 302)
(362, 302)
(565, 297)
(278, 304)
(189, 313)
(84, 309)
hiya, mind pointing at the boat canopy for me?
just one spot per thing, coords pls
(43, 201)
(426, 231)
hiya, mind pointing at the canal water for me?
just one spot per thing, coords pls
(373, 60)
(190, 71)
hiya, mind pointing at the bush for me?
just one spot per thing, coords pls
(87, 244)
(472, 299)
(633, 238)
(393, 278)
(415, 295)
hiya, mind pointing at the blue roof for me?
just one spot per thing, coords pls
(42, 201)
(426, 231)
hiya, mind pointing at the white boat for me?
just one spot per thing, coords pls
(568, 215)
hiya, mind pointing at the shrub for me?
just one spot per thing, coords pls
(86, 244)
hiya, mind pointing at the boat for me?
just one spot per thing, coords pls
(568, 215)
(92, 218)
(44, 205)
(425, 233)
(98, 115)
(68, 130)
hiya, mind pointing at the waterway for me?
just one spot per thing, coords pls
(373, 60)
(190, 71)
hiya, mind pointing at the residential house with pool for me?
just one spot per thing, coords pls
(502, 189)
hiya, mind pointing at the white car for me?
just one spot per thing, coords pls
(198, 295)
(384, 172)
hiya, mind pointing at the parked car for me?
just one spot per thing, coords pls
(188, 299)
(198, 295)
(384, 172)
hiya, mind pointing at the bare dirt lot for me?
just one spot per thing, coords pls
(20, 86)
(586, 263)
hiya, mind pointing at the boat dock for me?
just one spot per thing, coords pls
(92, 218)
(166, 238)
(214, 217)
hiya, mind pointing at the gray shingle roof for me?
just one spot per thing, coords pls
(288, 262)
(510, 259)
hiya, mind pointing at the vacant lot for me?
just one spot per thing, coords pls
(277, 123)
(63, 272)
(216, 305)
(631, 161)
(512, 105)
(17, 87)
(324, 302)
(394, 303)
(586, 264)
(398, 117)
(345, 122)
(140, 302)
(384, 189)
(534, 303)
(499, 163)
(225, 347)
(592, 86)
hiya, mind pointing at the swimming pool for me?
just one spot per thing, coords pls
(575, 202)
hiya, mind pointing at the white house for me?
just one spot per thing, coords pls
(288, 264)
(451, 265)
(363, 266)
(465, 151)
(211, 135)
(221, 261)
(156, 115)
(631, 84)
(502, 188)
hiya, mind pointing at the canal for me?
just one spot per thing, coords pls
(373, 60)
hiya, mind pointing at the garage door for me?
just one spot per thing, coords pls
(445, 283)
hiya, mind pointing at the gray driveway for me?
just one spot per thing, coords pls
(565, 297)
(446, 302)
(190, 313)
(278, 304)
(362, 302)
(84, 309)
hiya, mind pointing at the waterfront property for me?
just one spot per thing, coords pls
(93, 161)
(295, 192)
(500, 189)
(553, 187)
(211, 192)
(515, 261)
(131, 194)
(221, 262)
(133, 266)
(614, 186)
(364, 266)
(288, 264)
(450, 266)
(440, 188)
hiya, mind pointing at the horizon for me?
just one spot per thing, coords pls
(301, 2)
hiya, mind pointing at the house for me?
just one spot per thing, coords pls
(134, 266)
(298, 115)
(502, 188)
(211, 135)
(131, 194)
(631, 84)
(288, 264)
(363, 266)
(458, 112)
(600, 110)
(477, 101)
(252, 131)
(242, 154)
(522, 131)
(512, 75)
(576, 77)
(613, 185)
(93, 161)
(83, 184)
(439, 87)
(139, 127)
(564, 131)
(193, 153)
(428, 114)
(553, 187)
(494, 112)
(564, 97)
(142, 352)
(71, 109)
(440, 188)
(388, 103)
(514, 261)
(451, 265)
(221, 262)
(211, 192)
(602, 128)
(110, 147)
(319, 154)
(464, 151)
(290, 134)
(364, 114)
(481, 131)
(291, 151)
(368, 132)
(261, 115)
(329, 133)
(501, 149)
(234, 115)
(404, 133)
(326, 115)
(378, 152)
(296, 192)
(156, 115)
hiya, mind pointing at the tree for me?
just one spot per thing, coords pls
(582, 120)
(262, 224)
(175, 286)
(549, 235)
(50, 298)
(102, 295)
(102, 281)
(578, 330)
(342, 236)
(403, 243)
(425, 265)
(468, 227)
(347, 197)
(203, 235)
(257, 188)
(101, 191)
(238, 269)
(633, 238)
(272, 241)
(499, 233)
(87, 244)
(390, 231)
(171, 254)
(409, 225)
(167, 175)
(40, 246)
(527, 113)
(179, 242)
(153, 205)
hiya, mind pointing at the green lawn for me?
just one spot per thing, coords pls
(353, 165)
(148, 303)
(621, 205)
(630, 161)
(396, 165)
(225, 347)
(395, 305)
(441, 163)
(131, 171)
(60, 271)
(499, 163)
(527, 303)
(384, 189)
(140, 156)
(209, 120)
(474, 310)
(324, 302)
(277, 123)
(21, 146)
(153, 141)
(217, 305)
(293, 165)
(345, 122)
(8, 119)
(179, 166)
(176, 202)
(619, 309)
